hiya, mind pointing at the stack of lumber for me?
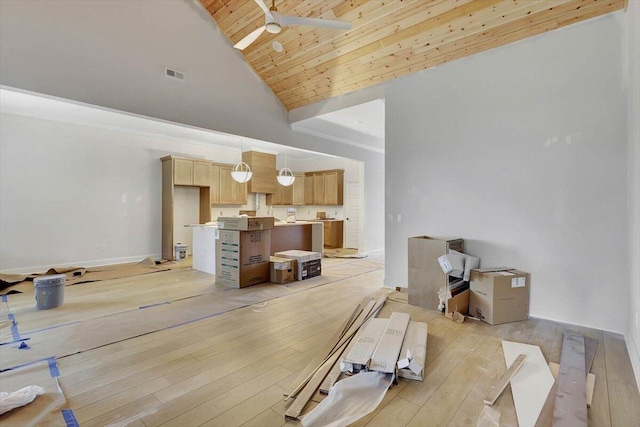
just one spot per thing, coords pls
(363, 343)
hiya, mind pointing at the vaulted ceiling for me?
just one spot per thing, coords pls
(388, 38)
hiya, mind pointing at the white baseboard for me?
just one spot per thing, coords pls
(90, 263)
(634, 356)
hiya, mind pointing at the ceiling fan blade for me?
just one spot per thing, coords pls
(313, 22)
(249, 38)
(264, 8)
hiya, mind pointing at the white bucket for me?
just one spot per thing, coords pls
(181, 251)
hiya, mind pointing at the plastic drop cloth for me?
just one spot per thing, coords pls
(349, 400)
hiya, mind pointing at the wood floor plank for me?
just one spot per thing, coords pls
(623, 394)
(118, 400)
(228, 400)
(214, 388)
(443, 404)
(599, 414)
(112, 388)
(267, 418)
(129, 413)
(246, 410)
(398, 413)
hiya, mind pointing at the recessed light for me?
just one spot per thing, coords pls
(277, 46)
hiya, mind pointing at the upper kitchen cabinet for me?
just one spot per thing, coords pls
(214, 175)
(201, 173)
(292, 195)
(231, 192)
(324, 187)
(333, 187)
(263, 166)
(298, 189)
(190, 172)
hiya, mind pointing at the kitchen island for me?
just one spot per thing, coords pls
(299, 235)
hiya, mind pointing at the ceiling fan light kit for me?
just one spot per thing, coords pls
(273, 27)
(274, 22)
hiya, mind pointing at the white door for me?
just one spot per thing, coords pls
(352, 217)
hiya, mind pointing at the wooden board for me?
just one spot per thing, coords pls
(591, 381)
(570, 404)
(497, 389)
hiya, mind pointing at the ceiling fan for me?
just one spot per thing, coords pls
(273, 23)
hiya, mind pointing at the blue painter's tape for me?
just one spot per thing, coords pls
(30, 363)
(13, 342)
(70, 418)
(52, 327)
(4, 298)
(154, 305)
(14, 327)
(53, 367)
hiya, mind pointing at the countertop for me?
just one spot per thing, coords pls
(298, 222)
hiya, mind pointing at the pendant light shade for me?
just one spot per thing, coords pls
(285, 177)
(241, 172)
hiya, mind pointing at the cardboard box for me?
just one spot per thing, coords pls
(283, 270)
(245, 223)
(385, 356)
(415, 341)
(242, 257)
(425, 275)
(500, 296)
(458, 303)
(360, 354)
(309, 263)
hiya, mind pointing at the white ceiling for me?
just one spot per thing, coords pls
(361, 125)
(364, 120)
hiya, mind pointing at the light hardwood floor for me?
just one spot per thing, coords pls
(233, 368)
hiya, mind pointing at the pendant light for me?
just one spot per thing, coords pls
(241, 171)
(285, 175)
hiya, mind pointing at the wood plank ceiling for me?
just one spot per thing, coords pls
(388, 38)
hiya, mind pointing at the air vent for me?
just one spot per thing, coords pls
(173, 73)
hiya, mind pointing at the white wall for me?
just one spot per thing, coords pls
(522, 152)
(113, 54)
(633, 130)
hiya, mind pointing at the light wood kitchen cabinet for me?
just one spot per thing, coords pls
(283, 196)
(324, 187)
(182, 172)
(318, 189)
(298, 189)
(292, 195)
(178, 171)
(191, 172)
(231, 192)
(201, 173)
(214, 175)
(333, 233)
(333, 188)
